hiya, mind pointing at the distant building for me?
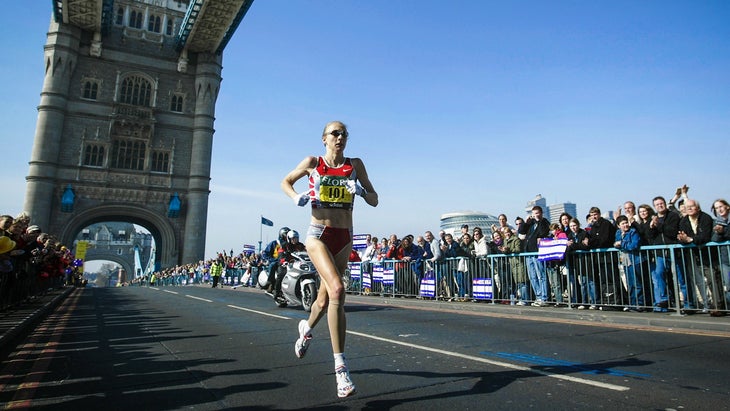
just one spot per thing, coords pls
(557, 209)
(451, 222)
(539, 200)
(608, 215)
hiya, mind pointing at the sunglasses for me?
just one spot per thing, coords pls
(338, 133)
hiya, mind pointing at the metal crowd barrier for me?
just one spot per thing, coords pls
(24, 283)
(231, 277)
(453, 278)
(659, 278)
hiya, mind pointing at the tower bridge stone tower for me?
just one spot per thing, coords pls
(125, 120)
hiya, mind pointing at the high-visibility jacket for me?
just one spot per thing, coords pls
(216, 270)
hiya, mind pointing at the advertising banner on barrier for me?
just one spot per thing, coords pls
(549, 249)
(366, 281)
(377, 273)
(359, 242)
(355, 273)
(355, 270)
(482, 288)
(388, 274)
(428, 285)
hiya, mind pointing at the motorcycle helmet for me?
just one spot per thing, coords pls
(292, 234)
(282, 234)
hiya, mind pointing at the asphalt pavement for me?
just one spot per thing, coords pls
(18, 321)
(202, 348)
(605, 316)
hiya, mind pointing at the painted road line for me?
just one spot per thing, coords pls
(496, 363)
(535, 360)
(259, 312)
(171, 292)
(198, 298)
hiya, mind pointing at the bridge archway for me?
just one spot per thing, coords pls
(123, 262)
(162, 231)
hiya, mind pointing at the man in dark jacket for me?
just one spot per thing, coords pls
(663, 230)
(696, 228)
(535, 228)
(605, 267)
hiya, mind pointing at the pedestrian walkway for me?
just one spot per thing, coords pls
(16, 321)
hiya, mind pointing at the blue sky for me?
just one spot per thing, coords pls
(459, 106)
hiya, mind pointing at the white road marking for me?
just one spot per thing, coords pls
(198, 298)
(171, 292)
(259, 312)
(496, 363)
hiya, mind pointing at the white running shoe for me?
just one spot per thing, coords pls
(302, 344)
(345, 387)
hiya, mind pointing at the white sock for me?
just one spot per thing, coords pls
(307, 328)
(339, 360)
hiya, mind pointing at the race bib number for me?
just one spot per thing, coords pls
(334, 190)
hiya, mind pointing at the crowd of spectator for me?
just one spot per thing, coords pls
(31, 262)
(235, 270)
(627, 277)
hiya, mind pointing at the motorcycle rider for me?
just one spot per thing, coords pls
(272, 254)
(292, 245)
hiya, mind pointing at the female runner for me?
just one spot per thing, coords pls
(334, 180)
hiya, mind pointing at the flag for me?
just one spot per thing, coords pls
(266, 221)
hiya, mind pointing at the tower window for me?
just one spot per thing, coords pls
(128, 154)
(93, 155)
(135, 19)
(91, 89)
(136, 90)
(160, 161)
(154, 24)
(119, 20)
(176, 103)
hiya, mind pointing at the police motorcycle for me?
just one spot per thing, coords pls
(299, 278)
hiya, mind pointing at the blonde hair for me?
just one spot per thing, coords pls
(339, 123)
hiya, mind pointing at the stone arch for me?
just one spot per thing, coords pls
(116, 259)
(162, 231)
